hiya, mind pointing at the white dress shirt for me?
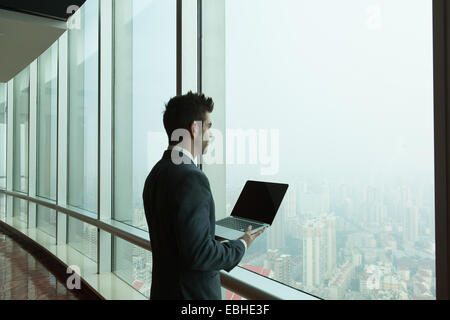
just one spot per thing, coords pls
(185, 152)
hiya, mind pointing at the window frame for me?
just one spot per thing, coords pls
(236, 280)
(441, 62)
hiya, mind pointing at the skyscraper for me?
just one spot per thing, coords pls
(290, 202)
(315, 200)
(313, 251)
(330, 237)
(283, 268)
(411, 224)
(276, 234)
(319, 250)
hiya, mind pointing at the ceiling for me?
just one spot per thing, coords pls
(55, 9)
(27, 29)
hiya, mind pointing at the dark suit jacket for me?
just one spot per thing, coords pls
(179, 209)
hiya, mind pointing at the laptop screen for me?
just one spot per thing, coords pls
(259, 201)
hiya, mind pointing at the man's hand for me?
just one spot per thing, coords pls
(249, 237)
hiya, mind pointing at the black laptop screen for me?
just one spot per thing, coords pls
(259, 201)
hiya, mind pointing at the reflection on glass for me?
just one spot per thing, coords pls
(21, 100)
(144, 81)
(83, 108)
(2, 207)
(20, 209)
(3, 110)
(47, 108)
(83, 238)
(341, 108)
(133, 264)
(46, 220)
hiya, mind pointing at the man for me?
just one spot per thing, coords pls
(179, 209)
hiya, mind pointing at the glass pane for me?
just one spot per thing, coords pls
(133, 264)
(341, 108)
(21, 102)
(83, 238)
(46, 220)
(2, 207)
(83, 108)
(20, 209)
(145, 79)
(3, 110)
(47, 109)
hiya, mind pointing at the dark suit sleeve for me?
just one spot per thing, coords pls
(198, 249)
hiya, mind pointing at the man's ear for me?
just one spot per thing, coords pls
(193, 129)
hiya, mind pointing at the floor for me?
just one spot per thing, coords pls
(28, 274)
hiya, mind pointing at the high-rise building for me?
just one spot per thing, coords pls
(89, 240)
(290, 202)
(406, 196)
(314, 200)
(330, 238)
(377, 213)
(371, 194)
(139, 219)
(276, 234)
(341, 281)
(283, 268)
(313, 252)
(319, 250)
(411, 224)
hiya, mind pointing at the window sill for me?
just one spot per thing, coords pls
(106, 285)
(266, 289)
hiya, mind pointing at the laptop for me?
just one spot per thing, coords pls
(257, 205)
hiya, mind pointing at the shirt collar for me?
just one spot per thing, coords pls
(187, 153)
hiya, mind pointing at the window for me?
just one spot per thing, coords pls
(20, 210)
(2, 207)
(336, 99)
(133, 264)
(46, 220)
(21, 100)
(3, 110)
(144, 80)
(47, 109)
(83, 108)
(83, 238)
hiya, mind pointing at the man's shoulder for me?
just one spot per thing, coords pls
(193, 175)
(178, 172)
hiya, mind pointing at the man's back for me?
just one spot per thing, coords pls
(180, 213)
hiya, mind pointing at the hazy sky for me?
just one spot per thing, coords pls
(348, 83)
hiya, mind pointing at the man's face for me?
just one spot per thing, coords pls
(206, 132)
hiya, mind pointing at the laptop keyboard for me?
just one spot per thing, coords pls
(236, 224)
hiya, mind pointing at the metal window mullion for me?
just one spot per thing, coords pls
(32, 144)
(179, 46)
(199, 44)
(99, 50)
(57, 135)
(104, 250)
(113, 103)
(62, 143)
(199, 57)
(10, 147)
(441, 37)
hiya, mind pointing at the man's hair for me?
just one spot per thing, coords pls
(182, 111)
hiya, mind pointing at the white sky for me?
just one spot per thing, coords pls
(349, 83)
